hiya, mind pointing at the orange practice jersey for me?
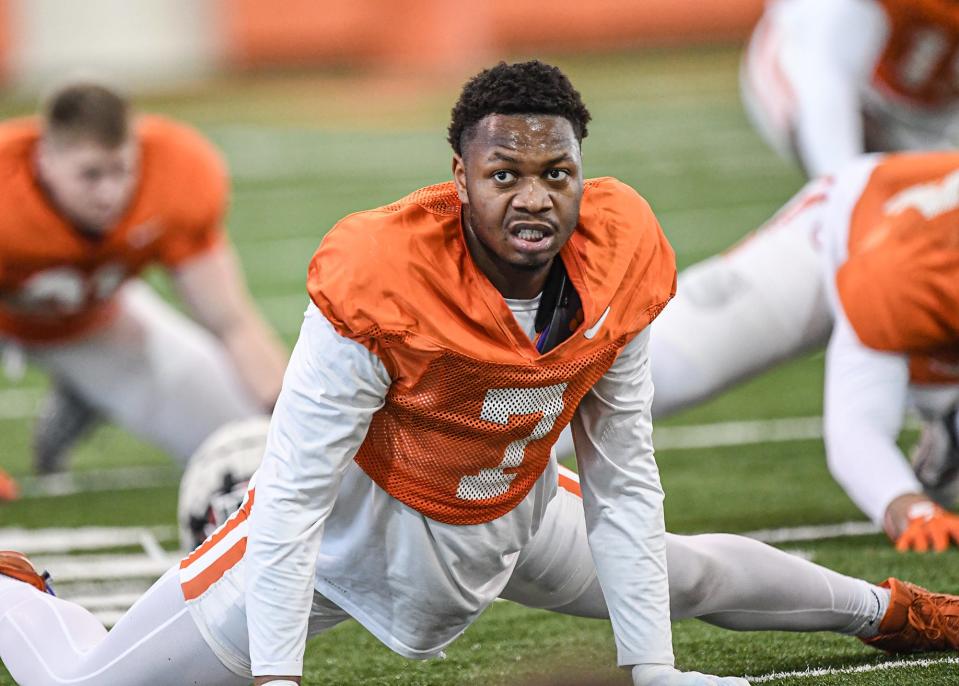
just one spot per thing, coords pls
(899, 286)
(474, 408)
(56, 284)
(920, 61)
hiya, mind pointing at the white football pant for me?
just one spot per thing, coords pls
(154, 372)
(729, 581)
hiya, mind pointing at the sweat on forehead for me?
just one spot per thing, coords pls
(521, 131)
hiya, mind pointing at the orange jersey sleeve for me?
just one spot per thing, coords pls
(899, 286)
(474, 408)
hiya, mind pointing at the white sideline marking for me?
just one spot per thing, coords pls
(73, 568)
(40, 541)
(859, 669)
(747, 432)
(117, 478)
(813, 533)
(19, 403)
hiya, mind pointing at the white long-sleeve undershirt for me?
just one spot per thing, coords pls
(830, 49)
(865, 401)
(319, 522)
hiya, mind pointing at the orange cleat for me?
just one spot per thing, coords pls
(17, 566)
(8, 487)
(917, 620)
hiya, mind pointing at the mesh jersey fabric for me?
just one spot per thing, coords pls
(474, 408)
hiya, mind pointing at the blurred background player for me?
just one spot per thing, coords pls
(92, 195)
(826, 80)
(731, 320)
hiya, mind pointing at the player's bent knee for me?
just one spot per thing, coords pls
(694, 573)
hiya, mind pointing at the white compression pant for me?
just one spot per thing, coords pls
(743, 311)
(154, 372)
(726, 580)
(44, 640)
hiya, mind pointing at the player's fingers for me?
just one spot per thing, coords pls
(940, 538)
(904, 542)
(954, 531)
(920, 541)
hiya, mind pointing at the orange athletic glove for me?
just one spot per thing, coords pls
(928, 525)
(8, 487)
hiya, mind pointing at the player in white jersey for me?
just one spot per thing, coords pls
(734, 316)
(827, 80)
(408, 478)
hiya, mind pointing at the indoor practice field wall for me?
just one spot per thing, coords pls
(160, 42)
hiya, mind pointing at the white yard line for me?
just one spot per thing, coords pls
(74, 568)
(717, 434)
(20, 403)
(117, 478)
(813, 533)
(859, 669)
(86, 538)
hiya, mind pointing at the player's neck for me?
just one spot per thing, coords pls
(515, 283)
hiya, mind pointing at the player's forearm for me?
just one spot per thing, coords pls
(332, 388)
(864, 404)
(259, 357)
(828, 66)
(624, 506)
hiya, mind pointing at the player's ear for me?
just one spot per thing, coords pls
(459, 178)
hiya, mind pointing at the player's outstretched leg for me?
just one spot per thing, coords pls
(46, 641)
(736, 583)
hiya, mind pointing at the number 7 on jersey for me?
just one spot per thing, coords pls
(498, 406)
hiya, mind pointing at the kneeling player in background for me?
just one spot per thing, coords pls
(91, 197)
(778, 293)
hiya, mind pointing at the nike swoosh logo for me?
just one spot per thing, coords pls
(594, 329)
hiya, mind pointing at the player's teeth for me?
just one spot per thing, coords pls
(530, 235)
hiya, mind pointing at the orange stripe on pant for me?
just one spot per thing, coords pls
(198, 585)
(215, 570)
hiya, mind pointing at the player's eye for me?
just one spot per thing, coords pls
(503, 176)
(557, 174)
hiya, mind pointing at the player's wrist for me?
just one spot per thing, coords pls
(903, 509)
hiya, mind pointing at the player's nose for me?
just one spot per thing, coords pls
(533, 197)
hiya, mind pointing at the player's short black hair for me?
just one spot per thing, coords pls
(522, 88)
(88, 111)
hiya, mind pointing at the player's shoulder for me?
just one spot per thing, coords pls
(18, 138)
(613, 212)
(177, 146)
(608, 196)
(386, 234)
(183, 171)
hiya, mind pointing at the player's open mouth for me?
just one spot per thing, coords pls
(529, 237)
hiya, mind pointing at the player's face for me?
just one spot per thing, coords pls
(520, 181)
(89, 183)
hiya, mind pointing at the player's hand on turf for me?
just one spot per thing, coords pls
(927, 526)
(664, 675)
